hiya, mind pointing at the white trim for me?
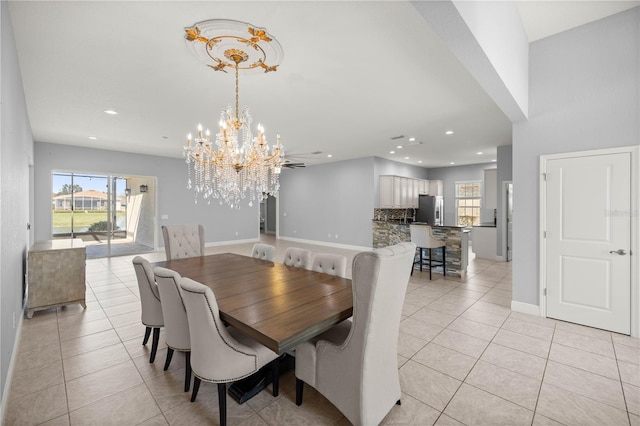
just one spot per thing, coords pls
(12, 364)
(227, 243)
(324, 243)
(503, 221)
(634, 151)
(526, 308)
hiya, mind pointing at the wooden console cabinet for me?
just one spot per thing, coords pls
(55, 274)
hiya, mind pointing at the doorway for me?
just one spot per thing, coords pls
(268, 215)
(507, 246)
(104, 211)
(586, 224)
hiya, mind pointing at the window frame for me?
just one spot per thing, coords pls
(472, 198)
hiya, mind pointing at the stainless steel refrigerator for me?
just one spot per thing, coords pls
(430, 210)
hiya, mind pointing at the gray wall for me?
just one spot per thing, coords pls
(584, 94)
(16, 156)
(173, 198)
(335, 198)
(451, 175)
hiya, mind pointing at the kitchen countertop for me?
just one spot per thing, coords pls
(401, 222)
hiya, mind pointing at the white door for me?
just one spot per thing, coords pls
(588, 230)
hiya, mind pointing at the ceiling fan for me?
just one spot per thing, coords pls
(294, 161)
(292, 164)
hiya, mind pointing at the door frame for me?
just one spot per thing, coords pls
(634, 152)
(503, 220)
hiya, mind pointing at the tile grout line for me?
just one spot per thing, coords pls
(624, 394)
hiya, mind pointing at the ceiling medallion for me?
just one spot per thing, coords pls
(236, 164)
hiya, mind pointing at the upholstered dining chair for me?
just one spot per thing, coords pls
(354, 364)
(297, 257)
(422, 237)
(328, 263)
(176, 325)
(181, 241)
(220, 354)
(151, 307)
(263, 251)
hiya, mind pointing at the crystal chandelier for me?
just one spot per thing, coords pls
(236, 165)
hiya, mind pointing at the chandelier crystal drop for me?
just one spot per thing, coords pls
(236, 165)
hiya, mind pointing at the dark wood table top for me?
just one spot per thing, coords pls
(279, 306)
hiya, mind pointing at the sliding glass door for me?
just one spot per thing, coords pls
(95, 208)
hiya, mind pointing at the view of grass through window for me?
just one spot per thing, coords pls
(81, 204)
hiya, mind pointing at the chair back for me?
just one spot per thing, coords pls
(422, 236)
(215, 355)
(366, 366)
(176, 325)
(181, 241)
(327, 263)
(263, 251)
(297, 257)
(149, 295)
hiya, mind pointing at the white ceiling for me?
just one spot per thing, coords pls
(354, 75)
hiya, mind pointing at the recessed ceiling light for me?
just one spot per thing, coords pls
(479, 152)
(392, 152)
(412, 139)
(329, 155)
(419, 161)
(406, 158)
(452, 162)
(399, 146)
(494, 160)
(93, 138)
(111, 112)
(448, 132)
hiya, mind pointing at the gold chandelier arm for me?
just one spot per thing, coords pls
(237, 90)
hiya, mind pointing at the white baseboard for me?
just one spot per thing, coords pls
(227, 243)
(12, 363)
(525, 308)
(328, 244)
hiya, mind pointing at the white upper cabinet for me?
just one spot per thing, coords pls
(386, 192)
(490, 189)
(436, 188)
(397, 192)
(423, 187)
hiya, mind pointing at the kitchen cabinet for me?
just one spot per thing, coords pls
(423, 187)
(415, 193)
(386, 192)
(55, 274)
(436, 188)
(398, 192)
(490, 189)
(483, 241)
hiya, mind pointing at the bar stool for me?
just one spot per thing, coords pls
(422, 237)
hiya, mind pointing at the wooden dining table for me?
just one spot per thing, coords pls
(279, 306)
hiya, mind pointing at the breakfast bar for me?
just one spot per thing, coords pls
(390, 232)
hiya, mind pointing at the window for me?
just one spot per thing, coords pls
(468, 203)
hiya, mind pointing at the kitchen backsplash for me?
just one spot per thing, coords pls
(392, 214)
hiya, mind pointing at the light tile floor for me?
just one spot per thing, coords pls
(463, 357)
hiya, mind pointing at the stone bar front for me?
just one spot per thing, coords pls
(390, 232)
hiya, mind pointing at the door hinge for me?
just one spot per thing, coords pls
(544, 177)
(544, 291)
(544, 234)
